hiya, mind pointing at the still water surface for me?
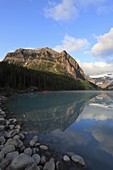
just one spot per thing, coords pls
(76, 121)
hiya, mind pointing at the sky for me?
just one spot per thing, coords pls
(84, 28)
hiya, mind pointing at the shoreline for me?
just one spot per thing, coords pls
(15, 155)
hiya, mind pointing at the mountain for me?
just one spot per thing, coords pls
(46, 59)
(40, 69)
(103, 80)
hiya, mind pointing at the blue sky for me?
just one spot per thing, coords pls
(84, 28)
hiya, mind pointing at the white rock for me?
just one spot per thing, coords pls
(11, 127)
(78, 159)
(43, 147)
(17, 127)
(66, 158)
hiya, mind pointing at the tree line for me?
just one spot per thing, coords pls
(18, 77)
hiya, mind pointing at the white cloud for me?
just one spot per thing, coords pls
(70, 43)
(103, 134)
(104, 46)
(68, 9)
(62, 11)
(96, 67)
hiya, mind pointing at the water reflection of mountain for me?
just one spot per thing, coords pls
(47, 112)
(104, 100)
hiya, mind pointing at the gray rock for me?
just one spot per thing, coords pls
(32, 143)
(11, 127)
(28, 151)
(33, 167)
(60, 165)
(50, 165)
(44, 147)
(34, 150)
(4, 163)
(13, 132)
(12, 155)
(13, 120)
(16, 137)
(35, 138)
(36, 157)
(2, 127)
(21, 162)
(22, 137)
(66, 158)
(37, 144)
(2, 140)
(78, 159)
(43, 160)
(16, 142)
(22, 148)
(8, 159)
(2, 121)
(1, 156)
(17, 127)
(7, 149)
(70, 154)
(1, 146)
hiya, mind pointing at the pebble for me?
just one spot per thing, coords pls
(78, 159)
(44, 147)
(66, 158)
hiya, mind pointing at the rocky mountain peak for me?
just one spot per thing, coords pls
(46, 59)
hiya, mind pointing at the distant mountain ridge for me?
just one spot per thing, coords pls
(46, 59)
(103, 80)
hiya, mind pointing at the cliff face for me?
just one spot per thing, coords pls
(46, 59)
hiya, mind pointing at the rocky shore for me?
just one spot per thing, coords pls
(15, 155)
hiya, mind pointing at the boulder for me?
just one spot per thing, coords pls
(16, 142)
(7, 149)
(33, 167)
(21, 162)
(50, 165)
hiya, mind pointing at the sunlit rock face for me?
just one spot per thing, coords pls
(46, 59)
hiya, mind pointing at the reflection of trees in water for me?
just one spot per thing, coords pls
(47, 112)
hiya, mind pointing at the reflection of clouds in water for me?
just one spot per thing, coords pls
(104, 135)
(71, 137)
(98, 108)
(97, 113)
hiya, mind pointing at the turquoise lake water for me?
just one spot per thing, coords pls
(73, 121)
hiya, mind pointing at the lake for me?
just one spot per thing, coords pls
(70, 121)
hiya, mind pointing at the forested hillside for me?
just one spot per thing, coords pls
(17, 77)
